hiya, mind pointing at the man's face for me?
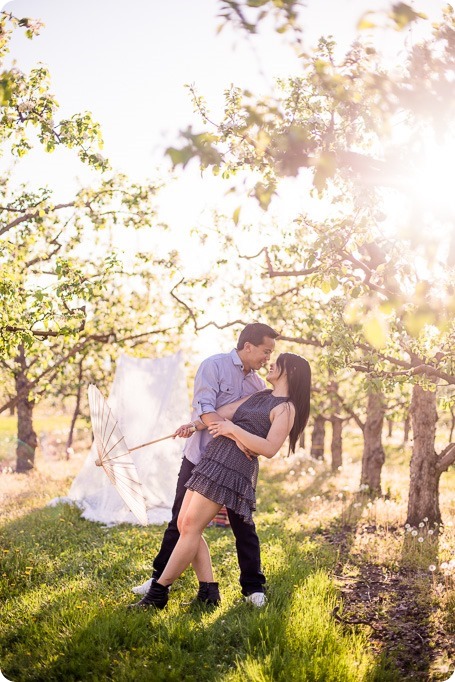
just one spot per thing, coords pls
(258, 356)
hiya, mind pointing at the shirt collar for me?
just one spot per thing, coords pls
(237, 361)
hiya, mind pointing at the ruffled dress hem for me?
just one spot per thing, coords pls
(224, 486)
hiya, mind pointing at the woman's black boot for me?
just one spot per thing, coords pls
(156, 596)
(208, 594)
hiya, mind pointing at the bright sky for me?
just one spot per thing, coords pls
(128, 63)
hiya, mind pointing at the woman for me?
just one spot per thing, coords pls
(225, 476)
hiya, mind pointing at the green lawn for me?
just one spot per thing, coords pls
(65, 585)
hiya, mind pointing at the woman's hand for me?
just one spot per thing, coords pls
(221, 428)
(225, 428)
(185, 431)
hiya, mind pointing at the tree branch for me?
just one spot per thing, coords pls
(304, 342)
(46, 334)
(29, 216)
(446, 458)
(388, 358)
(286, 273)
(350, 411)
(420, 369)
(51, 371)
(185, 305)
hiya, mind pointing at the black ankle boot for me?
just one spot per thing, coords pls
(208, 594)
(156, 596)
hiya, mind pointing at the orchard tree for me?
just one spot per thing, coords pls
(364, 132)
(61, 305)
(27, 105)
(67, 292)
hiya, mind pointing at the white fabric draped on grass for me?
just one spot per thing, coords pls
(150, 399)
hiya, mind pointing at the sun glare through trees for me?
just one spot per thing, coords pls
(305, 181)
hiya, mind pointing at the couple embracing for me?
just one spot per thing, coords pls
(236, 420)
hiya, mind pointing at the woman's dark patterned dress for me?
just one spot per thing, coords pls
(224, 474)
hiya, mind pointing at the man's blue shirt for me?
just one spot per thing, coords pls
(219, 380)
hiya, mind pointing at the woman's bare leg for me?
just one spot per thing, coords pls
(202, 563)
(197, 512)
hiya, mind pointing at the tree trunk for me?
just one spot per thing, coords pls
(337, 443)
(318, 437)
(373, 453)
(69, 441)
(26, 436)
(389, 428)
(406, 429)
(423, 500)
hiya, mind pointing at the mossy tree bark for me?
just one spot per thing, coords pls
(337, 442)
(318, 437)
(426, 465)
(373, 452)
(26, 436)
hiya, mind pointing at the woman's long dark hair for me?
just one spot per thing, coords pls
(298, 372)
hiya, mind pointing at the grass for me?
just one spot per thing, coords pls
(331, 557)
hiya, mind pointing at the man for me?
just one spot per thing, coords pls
(222, 379)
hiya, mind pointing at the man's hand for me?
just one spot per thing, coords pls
(185, 431)
(248, 454)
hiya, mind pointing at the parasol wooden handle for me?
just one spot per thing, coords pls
(154, 441)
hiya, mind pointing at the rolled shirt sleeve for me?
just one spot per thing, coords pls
(206, 384)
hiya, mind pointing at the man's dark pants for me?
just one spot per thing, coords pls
(246, 540)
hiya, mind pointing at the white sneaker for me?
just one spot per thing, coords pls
(140, 589)
(258, 599)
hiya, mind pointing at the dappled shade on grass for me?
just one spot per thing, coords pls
(65, 584)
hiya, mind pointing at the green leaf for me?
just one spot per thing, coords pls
(353, 312)
(375, 329)
(325, 287)
(264, 194)
(236, 215)
(180, 156)
(403, 15)
(414, 322)
(325, 168)
(365, 23)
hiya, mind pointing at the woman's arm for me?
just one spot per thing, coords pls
(226, 412)
(282, 418)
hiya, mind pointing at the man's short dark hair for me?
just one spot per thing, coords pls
(255, 333)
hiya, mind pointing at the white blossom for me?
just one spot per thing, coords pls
(26, 106)
(35, 26)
